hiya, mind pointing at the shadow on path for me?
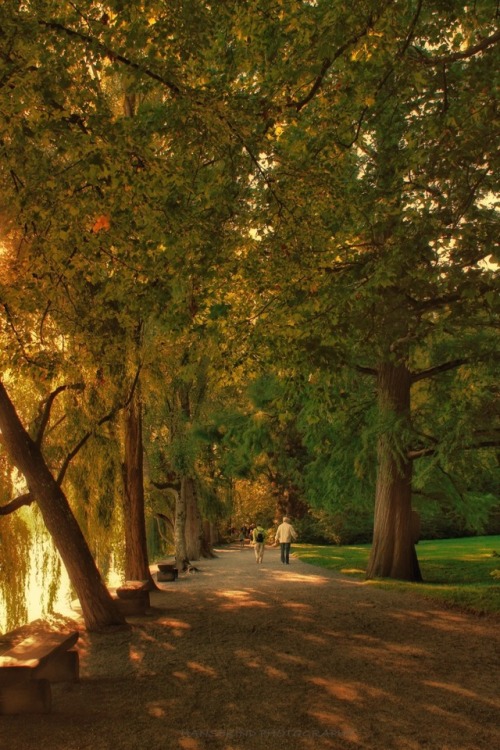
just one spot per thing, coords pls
(244, 656)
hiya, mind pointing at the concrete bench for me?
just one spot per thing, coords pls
(166, 572)
(28, 669)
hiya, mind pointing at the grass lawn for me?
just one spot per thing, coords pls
(457, 572)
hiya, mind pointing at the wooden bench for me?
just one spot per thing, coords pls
(166, 572)
(28, 669)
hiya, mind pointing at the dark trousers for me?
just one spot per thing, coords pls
(285, 552)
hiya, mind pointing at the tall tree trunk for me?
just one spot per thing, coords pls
(210, 537)
(197, 543)
(98, 608)
(181, 558)
(290, 504)
(193, 529)
(136, 551)
(393, 552)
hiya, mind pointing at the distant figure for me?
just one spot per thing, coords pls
(259, 541)
(285, 533)
(243, 536)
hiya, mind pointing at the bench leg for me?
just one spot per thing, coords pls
(62, 667)
(168, 575)
(31, 697)
(136, 606)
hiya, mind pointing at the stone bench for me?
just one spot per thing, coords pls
(132, 598)
(166, 572)
(28, 669)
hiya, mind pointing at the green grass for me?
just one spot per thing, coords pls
(457, 572)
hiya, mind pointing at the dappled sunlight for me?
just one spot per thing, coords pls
(178, 627)
(294, 659)
(298, 605)
(224, 660)
(233, 594)
(301, 611)
(314, 639)
(135, 655)
(167, 646)
(352, 571)
(337, 724)
(239, 599)
(335, 633)
(359, 691)
(189, 743)
(461, 691)
(289, 576)
(201, 669)
(157, 712)
(253, 661)
(445, 621)
(336, 688)
(404, 650)
(397, 658)
(371, 639)
(276, 674)
(452, 716)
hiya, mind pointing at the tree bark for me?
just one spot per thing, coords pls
(98, 608)
(210, 537)
(198, 544)
(181, 558)
(193, 529)
(136, 551)
(393, 552)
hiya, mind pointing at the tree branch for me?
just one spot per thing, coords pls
(55, 26)
(366, 370)
(48, 406)
(467, 53)
(422, 452)
(444, 367)
(107, 418)
(165, 518)
(174, 485)
(411, 32)
(14, 505)
(327, 64)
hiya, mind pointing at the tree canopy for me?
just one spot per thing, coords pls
(286, 208)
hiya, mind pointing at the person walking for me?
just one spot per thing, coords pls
(259, 542)
(243, 536)
(285, 534)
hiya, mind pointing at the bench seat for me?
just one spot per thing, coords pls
(166, 572)
(28, 668)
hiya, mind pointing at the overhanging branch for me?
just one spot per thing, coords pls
(366, 370)
(17, 503)
(444, 367)
(107, 418)
(422, 452)
(48, 406)
(298, 104)
(466, 54)
(55, 26)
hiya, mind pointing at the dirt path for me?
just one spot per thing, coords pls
(243, 656)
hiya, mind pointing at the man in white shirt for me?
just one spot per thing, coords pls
(285, 533)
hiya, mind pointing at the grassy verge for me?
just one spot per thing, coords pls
(457, 572)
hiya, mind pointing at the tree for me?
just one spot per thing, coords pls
(376, 215)
(98, 608)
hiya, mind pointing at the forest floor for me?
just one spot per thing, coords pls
(240, 656)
